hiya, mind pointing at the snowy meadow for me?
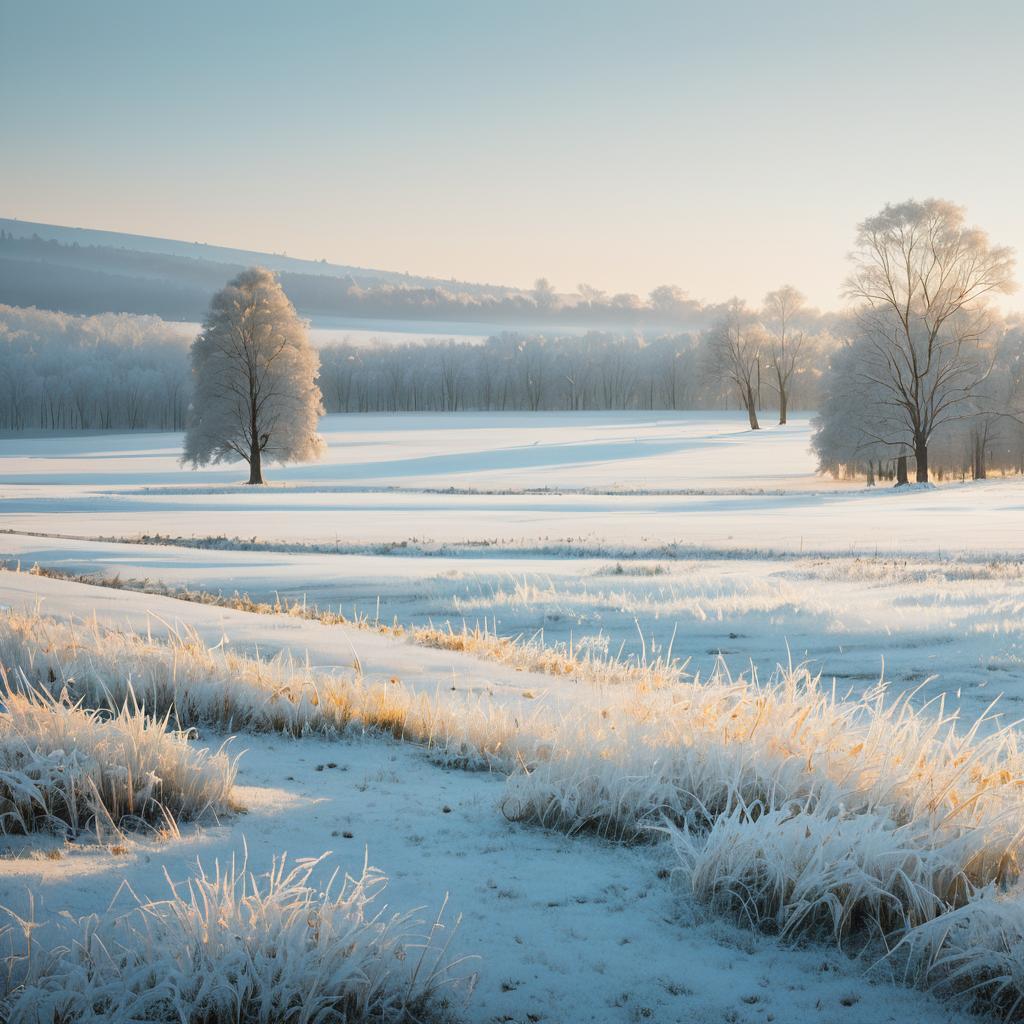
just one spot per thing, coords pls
(534, 535)
(528, 665)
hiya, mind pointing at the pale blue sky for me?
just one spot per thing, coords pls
(723, 147)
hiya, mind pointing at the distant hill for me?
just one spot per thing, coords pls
(78, 270)
(84, 271)
(90, 237)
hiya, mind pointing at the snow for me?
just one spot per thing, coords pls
(767, 555)
(561, 927)
(127, 485)
(959, 622)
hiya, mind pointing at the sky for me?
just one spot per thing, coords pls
(725, 148)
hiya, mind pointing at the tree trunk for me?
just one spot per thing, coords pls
(901, 471)
(980, 471)
(255, 448)
(256, 465)
(752, 409)
(783, 406)
(921, 458)
(871, 473)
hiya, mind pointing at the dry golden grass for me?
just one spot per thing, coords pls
(66, 767)
(526, 654)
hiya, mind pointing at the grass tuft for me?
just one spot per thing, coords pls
(63, 767)
(233, 948)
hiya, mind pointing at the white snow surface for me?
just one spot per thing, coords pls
(123, 485)
(639, 530)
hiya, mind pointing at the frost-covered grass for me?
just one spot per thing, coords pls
(977, 950)
(234, 947)
(586, 660)
(822, 872)
(182, 679)
(65, 767)
(861, 821)
(949, 914)
(699, 750)
(693, 752)
(791, 810)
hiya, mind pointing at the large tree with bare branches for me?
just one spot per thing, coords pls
(786, 340)
(732, 356)
(255, 376)
(921, 280)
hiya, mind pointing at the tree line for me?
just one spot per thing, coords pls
(113, 371)
(118, 371)
(593, 371)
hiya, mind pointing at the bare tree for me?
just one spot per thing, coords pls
(733, 351)
(786, 341)
(854, 422)
(921, 278)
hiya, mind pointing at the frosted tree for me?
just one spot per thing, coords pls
(255, 380)
(921, 278)
(859, 428)
(590, 296)
(544, 294)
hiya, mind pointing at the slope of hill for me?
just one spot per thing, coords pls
(73, 276)
(78, 270)
(91, 237)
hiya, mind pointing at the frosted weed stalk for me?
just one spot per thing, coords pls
(234, 947)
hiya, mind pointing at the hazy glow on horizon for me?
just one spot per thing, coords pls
(622, 145)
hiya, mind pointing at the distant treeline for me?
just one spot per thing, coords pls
(108, 372)
(117, 371)
(88, 279)
(530, 372)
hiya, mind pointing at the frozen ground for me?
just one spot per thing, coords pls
(635, 530)
(683, 480)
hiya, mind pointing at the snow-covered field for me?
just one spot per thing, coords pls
(636, 483)
(653, 535)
